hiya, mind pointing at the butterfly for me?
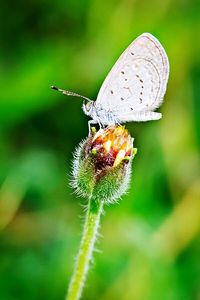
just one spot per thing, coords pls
(134, 88)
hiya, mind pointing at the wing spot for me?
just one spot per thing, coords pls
(122, 99)
(137, 75)
(141, 93)
(125, 79)
(127, 88)
(111, 91)
(131, 108)
(141, 80)
(122, 72)
(140, 100)
(132, 53)
(142, 86)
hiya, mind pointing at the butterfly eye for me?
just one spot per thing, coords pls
(88, 106)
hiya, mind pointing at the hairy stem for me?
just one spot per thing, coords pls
(86, 249)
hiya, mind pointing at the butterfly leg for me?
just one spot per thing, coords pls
(100, 126)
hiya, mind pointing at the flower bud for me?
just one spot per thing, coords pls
(102, 164)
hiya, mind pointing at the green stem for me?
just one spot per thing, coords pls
(86, 249)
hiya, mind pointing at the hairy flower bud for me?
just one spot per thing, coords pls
(102, 164)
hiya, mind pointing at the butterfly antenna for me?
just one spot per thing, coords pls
(68, 93)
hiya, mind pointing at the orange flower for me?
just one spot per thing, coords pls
(111, 146)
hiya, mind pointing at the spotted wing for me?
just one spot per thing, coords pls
(137, 82)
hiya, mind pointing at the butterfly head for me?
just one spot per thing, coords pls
(88, 107)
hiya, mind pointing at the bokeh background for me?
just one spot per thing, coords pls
(150, 244)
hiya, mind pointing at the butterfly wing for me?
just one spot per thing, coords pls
(136, 84)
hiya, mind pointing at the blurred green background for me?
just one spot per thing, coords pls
(150, 247)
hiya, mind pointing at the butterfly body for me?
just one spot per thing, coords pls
(100, 115)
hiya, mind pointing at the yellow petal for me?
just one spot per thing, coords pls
(99, 133)
(107, 145)
(119, 157)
